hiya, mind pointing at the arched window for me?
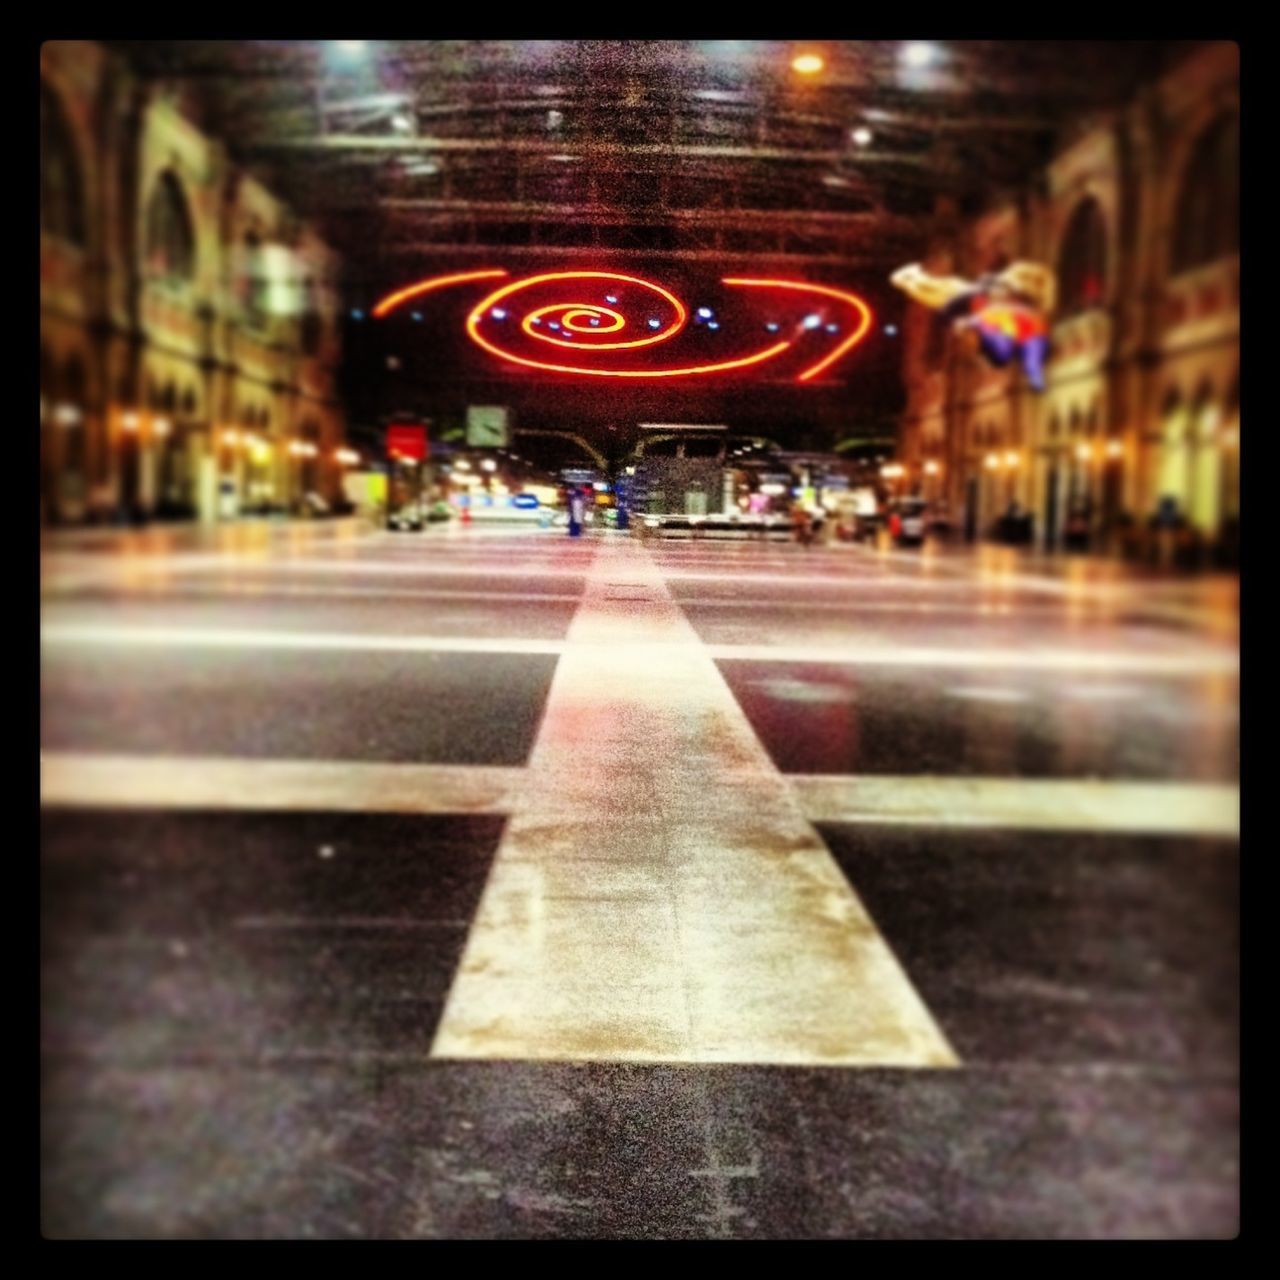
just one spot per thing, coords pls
(171, 242)
(1082, 268)
(61, 183)
(73, 447)
(48, 381)
(254, 285)
(311, 326)
(1208, 224)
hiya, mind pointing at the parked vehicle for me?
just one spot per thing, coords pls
(911, 513)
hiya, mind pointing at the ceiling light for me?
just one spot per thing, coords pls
(919, 53)
(807, 64)
(401, 122)
(862, 136)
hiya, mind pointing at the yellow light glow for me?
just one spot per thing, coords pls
(931, 468)
(1011, 459)
(991, 461)
(1114, 448)
(807, 64)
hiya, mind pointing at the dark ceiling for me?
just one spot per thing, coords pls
(419, 153)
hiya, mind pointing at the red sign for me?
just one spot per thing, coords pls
(407, 441)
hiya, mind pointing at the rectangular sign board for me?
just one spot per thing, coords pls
(407, 440)
(487, 426)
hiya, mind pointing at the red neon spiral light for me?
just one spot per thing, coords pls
(591, 321)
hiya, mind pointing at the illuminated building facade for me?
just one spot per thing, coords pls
(189, 329)
(1139, 216)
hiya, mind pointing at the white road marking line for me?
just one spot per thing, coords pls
(93, 780)
(658, 895)
(213, 782)
(247, 638)
(1029, 804)
(239, 590)
(1190, 663)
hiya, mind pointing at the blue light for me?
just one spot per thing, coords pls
(553, 324)
(498, 314)
(812, 322)
(833, 328)
(608, 297)
(654, 324)
(357, 314)
(537, 320)
(704, 313)
(713, 324)
(417, 315)
(772, 326)
(891, 330)
(595, 319)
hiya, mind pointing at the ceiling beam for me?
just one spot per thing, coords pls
(354, 142)
(604, 215)
(428, 251)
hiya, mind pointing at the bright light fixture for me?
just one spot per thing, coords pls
(919, 53)
(807, 64)
(862, 136)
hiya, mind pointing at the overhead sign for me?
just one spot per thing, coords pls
(487, 426)
(407, 440)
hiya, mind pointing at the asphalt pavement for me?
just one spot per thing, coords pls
(490, 883)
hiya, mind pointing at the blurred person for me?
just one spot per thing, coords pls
(1167, 522)
(802, 524)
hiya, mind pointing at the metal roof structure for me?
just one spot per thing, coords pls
(415, 152)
